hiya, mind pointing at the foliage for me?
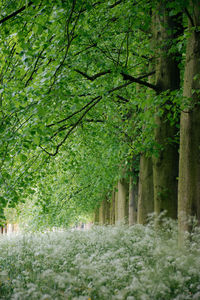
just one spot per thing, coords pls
(70, 116)
(102, 263)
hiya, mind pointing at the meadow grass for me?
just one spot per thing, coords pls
(133, 263)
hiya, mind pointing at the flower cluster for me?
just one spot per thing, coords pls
(133, 263)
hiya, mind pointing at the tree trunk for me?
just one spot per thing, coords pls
(112, 209)
(116, 206)
(96, 216)
(165, 164)
(122, 203)
(145, 190)
(133, 195)
(5, 229)
(102, 214)
(189, 163)
(107, 211)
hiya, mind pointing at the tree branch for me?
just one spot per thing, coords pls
(189, 17)
(146, 75)
(89, 106)
(119, 87)
(36, 63)
(71, 129)
(92, 78)
(81, 51)
(75, 113)
(94, 120)
(138, 80)
(15, 13)
(122, 99)
(115, 4)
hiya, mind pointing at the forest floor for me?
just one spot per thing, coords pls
(133, 263)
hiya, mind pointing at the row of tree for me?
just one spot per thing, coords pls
(98, 98)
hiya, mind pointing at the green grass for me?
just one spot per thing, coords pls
(103, 263)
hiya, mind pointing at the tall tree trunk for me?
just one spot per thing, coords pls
(5, 229)
(189, 163)
(96, 216)
(122, 203)
(112, 209)
(145, 189)
(107, 211)
(165, 164)
(104, 213)
(116, 206)
(133, 195)
(145, 184)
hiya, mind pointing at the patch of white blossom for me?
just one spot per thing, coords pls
(116, 263)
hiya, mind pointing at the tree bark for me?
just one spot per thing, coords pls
(5, 229)
(189, 163)
(104, 213)
(96, 216)
(133, 195)
(112, 209)
(145, 190)
(116, 206)
(165, 163)
(122, 203)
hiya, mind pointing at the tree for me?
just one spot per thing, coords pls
(72, 112)
(189, 164)
(165, 164)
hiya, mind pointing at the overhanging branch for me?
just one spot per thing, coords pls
(71, 129)
(138, 80)
(92, 78)
(15, 13)
(124, 100)
(89, 106)
(75, 113)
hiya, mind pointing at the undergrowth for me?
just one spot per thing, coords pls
(133, 263)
